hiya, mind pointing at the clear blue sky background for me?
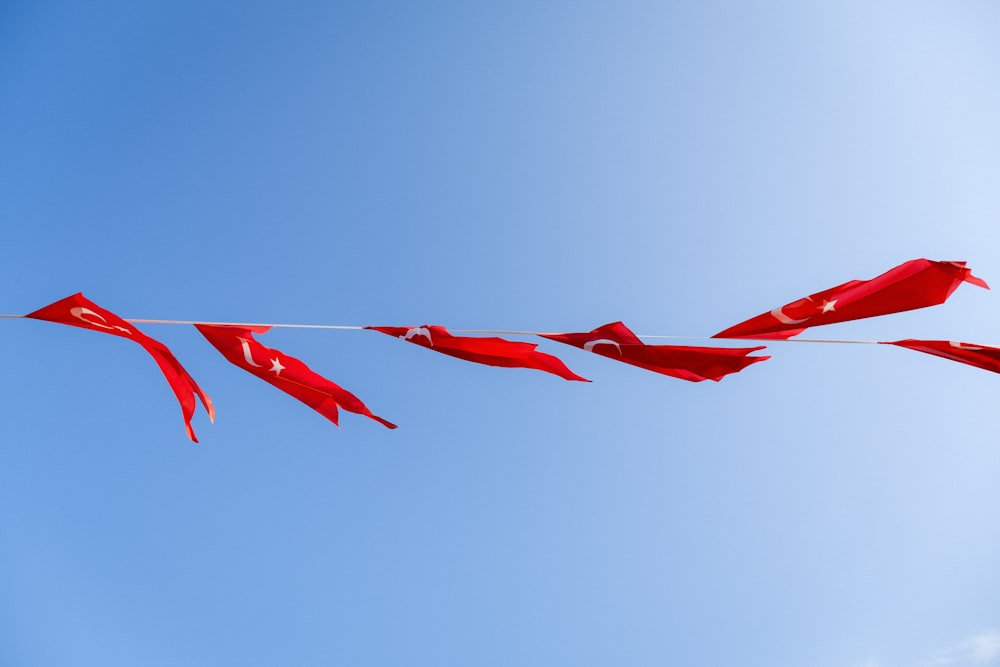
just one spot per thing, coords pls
(515, 165)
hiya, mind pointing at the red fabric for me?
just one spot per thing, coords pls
(918, 283)
(490, 351)
(288, 374)
(981, 356)
(78, 311)
(694, 364)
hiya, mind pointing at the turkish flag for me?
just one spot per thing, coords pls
(918, 283)
(694, 364)
(237, 344)
(482, 350)
(78, 311)
(981, 356)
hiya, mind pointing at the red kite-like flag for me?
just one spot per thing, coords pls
(490, 351)
(694, 364)
(78, 311)
(918, 283)
(981, 356)
(288, 374)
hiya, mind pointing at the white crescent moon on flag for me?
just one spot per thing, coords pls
(590, 344)
(962, 346)
(419, 331)
(779, 315)
(246, 353)
(79, 311)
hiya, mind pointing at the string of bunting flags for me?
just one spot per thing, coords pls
(918, 283)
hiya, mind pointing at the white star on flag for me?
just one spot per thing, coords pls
(277, 367)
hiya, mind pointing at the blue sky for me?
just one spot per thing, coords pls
(531, 166)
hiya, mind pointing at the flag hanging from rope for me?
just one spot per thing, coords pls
(491, 351)
(239, 347)
(981, 356)
(78, 311)
(918, 283)
(693, 364)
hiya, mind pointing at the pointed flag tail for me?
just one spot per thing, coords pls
(986, 357)
(78, 311)
(694, 364)
(918, 283)
(490, 351)
(238, 345)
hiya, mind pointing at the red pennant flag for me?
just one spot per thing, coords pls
(288, 374)
(694, 364)
(490, 351)
(981, 356)
(78, 311)
(918, 283)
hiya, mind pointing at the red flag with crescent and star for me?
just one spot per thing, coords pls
(918, 283)
(78, 311)
(239, 347)
(491, 351)
(981, 356)
(694, 364)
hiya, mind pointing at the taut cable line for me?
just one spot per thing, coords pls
(497, 332)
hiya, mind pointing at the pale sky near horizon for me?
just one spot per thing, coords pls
(518, 165)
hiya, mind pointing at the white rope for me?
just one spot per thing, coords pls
(244, 324)
(498, 332)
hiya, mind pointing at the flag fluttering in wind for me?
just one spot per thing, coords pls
(491, 351)
(78, 311)
(981, 356)
(239, 347)
(694, 364)
(918, 283)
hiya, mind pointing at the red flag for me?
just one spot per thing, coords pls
(918, 283)
(694, 364)
(288, 374)
(489, 351)
(78, 311)
(982, 356)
